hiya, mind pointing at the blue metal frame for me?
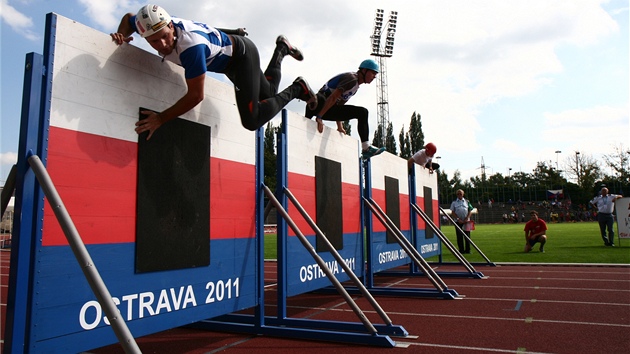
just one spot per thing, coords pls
(369, 277)
(18, 315)
(281, 325)
(260, 227)
(32, 324)
(29, 202)
(282, 228)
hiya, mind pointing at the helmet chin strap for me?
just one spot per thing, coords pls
(362, 72)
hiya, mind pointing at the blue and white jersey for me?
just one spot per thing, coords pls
(198, 48)
(347, 82)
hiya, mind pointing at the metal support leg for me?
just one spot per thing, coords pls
(407, 246)
(322, 265)
(103, 296)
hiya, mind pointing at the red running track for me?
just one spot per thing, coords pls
(517, 309)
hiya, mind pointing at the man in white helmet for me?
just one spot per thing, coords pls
(199, 48)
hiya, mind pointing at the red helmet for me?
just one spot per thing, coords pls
(430, 149)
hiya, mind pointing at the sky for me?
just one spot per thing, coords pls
(499, 83)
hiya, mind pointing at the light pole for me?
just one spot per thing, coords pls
(512, 185)
(382, 51)
(557, 152)
(439, 186)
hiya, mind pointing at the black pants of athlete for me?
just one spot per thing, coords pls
(432, 165)
(257, 96)
(462, 242)
(606, 222)
(343, 113)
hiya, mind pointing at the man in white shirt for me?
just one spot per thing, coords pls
(605, 204)
(461, 210)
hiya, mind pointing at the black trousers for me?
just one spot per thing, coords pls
(342, 113)
(606, 222)
(257, 96)
(462, 242)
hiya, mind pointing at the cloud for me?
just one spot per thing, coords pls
(107, 14)
(8, 158)
(594, 129)
(452, 60)
(19, 22)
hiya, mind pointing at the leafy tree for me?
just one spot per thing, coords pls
(270, 155)
(405, 144)
(444, 186)
(416, 136)
(378, 139)
(619, 161)
(456, 181)
(390, 141)
(584, 168)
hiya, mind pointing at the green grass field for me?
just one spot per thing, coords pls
(566, 243)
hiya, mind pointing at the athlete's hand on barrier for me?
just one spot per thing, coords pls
(120, 39)
(150, 123)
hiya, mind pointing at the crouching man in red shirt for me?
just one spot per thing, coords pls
(535, 231)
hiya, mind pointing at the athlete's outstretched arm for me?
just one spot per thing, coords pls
(237, 31)
(124, 32)
(193, 96)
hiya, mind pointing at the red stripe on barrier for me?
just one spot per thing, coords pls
(303, 188)
(96, 179)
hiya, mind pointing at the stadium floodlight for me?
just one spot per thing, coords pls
(383, 49)
(386, 50)
(378, 30)
(391, 31)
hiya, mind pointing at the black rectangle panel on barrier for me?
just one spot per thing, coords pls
(428, 209)
(392, 204)
(173, 201)
(329, 211)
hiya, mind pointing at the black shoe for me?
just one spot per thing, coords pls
(307, 94)
(612, 245)
(293, 51)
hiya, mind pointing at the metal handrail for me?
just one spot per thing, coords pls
(322, 264)
(466, 236)
(443, 238)
(406, 245)
(321, 237)
(82, 255)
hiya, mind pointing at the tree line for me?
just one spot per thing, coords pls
(580, 178)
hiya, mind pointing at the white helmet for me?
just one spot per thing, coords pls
(151, 19)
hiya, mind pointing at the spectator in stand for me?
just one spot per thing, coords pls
(535, 231)
(605, 204)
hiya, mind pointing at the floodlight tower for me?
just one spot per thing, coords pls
(382, 51)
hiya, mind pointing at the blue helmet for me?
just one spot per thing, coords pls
(370, 65)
